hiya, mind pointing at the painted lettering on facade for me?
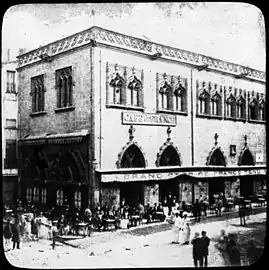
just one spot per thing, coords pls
(169, 175)
(148, 119)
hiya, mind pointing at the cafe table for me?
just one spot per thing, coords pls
(82, 227)
(110, 222)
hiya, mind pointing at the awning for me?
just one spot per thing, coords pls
(59, 138)
(166, 173)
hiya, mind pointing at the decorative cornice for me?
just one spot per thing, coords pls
(111, 38)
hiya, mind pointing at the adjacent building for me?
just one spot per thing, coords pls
(9, 101)
(105, 116)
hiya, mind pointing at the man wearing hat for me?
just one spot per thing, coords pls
(206, 242)
(197, 250)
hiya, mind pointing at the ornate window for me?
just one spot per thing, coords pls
(253, 109)
(134, 91)
(44, 195)
(29, 194)
(204, 100)
(64, 85)
(59, 197)
(36, 194)
(132, 158)
(216, 102)
(11, 87)
(38, 93)
(169, 157)
(166, 94)
(230, 105)
(77, 199)
(262, 109)
(180, 95)
(216, 158)
(241, 107)
(246, 158)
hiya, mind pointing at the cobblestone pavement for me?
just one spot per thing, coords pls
(121, 250)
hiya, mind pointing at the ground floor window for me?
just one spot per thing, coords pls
(35, 194)
(59, 197)
(77, 199)
(44, 195)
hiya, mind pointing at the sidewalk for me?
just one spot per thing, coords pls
(145, 229)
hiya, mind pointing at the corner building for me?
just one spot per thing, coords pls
(105, 116)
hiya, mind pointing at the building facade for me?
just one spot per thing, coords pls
(9, 101)
(105, 116)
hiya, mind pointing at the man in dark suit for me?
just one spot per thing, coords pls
(16, 233)
(197, 250)
(206, 242)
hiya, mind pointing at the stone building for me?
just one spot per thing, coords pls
(9, 102)
(105, 116)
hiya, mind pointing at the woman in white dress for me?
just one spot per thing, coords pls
(185, 231)
(175, 228)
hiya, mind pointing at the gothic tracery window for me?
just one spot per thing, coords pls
(262, 109)
(134, 91)
(117, 84)
(169, 157)
(180, 99)
(166, 95)
(253, 109)
(241, 107)
(64, 85)
(204, 100)
(132, 158)
(38, 93)
(217, 158)
(216, 103)
(230, 106)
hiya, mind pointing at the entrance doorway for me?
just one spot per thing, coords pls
(133, 193)
(246, 186)
(215, 186)
(169, 186)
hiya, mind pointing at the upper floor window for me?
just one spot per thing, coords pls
(262, 109)
(231, 105)
(204, 100)
(180, 95)
(38, 93)
(241, 107)
(216, 102)
(11, 155)
(11, 87)
(124, 86)
(64, 85)
(11, 123)
(253, 109)
(166, 95)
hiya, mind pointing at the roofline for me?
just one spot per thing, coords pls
(123, 41)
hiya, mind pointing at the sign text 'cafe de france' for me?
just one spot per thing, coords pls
(124, 177)
(130, 118)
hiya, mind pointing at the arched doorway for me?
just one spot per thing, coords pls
(216, 185)
(132, 192)
(169, 157)
(246, 183)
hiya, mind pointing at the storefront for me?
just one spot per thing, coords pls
(193, 182)
(54, 171)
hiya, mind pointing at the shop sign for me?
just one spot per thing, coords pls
(126, 177)
(131, 118)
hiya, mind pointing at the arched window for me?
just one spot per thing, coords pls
(231, 106)
(241, 107)
(262, 109)
(170, 157)
(38, 93)
(180, 97)
(77, 199)
(64, 86)
(59, 197)
(117, 84)
(217, 158)
(134, 92)
(253, 109)
(132, 158)
(246, 158)
(216, 104)
(204, 100)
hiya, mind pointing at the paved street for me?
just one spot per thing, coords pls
(129, 249)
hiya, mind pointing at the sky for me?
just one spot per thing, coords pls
(228, 31)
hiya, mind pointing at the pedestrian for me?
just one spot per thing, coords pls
(7, 234)
(35, 226)
(203, 207)
(175, 228)
(184, 231)
(169, 204)
(197, 254)
(242, 214)
(233, 252)
(197, 211)
(206, 241)
(219, 206)
(54, 231)
(16, 233)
